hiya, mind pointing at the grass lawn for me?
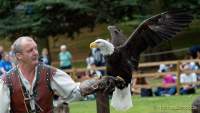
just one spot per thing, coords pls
(171, 104)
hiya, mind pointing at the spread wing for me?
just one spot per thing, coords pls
(153, 31)
(117, 37)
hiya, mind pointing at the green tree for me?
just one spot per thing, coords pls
(112, 11)
(155, 6)
(43, 18)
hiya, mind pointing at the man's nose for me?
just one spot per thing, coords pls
(35, 51)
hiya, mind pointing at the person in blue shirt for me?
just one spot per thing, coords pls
(5, 64)
(65, 58)
(99, 59)
(44, 57)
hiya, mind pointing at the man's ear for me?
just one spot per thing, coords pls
(19, 56)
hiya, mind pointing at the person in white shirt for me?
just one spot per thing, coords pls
(188, 77)
(30, 86)
(163, 68)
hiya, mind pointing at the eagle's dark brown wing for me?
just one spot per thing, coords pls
(117, 37)
(153, 31)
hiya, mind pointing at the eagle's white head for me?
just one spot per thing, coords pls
(105, 47)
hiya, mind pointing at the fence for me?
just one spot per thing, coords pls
(102, 100)
(177, 72)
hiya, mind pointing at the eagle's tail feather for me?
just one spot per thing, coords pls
(121, 99)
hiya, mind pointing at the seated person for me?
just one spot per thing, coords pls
(81, 76)
(145, 90)
(188, 77)
(163, 68)
(168, 87)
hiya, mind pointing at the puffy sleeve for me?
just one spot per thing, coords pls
(4, 98)
(64, 86)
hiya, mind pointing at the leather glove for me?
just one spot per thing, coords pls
(104, 84)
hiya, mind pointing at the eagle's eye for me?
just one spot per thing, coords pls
(98, 43)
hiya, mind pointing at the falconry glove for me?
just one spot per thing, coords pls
(105, 84)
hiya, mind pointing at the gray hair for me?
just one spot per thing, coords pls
(17, 44)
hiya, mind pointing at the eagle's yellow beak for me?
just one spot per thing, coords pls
(93, 45)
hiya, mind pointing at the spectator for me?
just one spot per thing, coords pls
(89, 60)
(5, 64)
(81, 76)
(163, 68)
(1, 52)
(169, 86)
(145, 91)
(92, 67)
(191, 65)
(44, 58)
(187, 77)
(99, 59)
(65, 58)
(12, 56)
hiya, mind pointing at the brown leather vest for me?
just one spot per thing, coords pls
(42, 93)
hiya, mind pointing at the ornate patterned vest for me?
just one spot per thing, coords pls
(42, 93)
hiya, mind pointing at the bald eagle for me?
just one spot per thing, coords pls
(122, 60)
